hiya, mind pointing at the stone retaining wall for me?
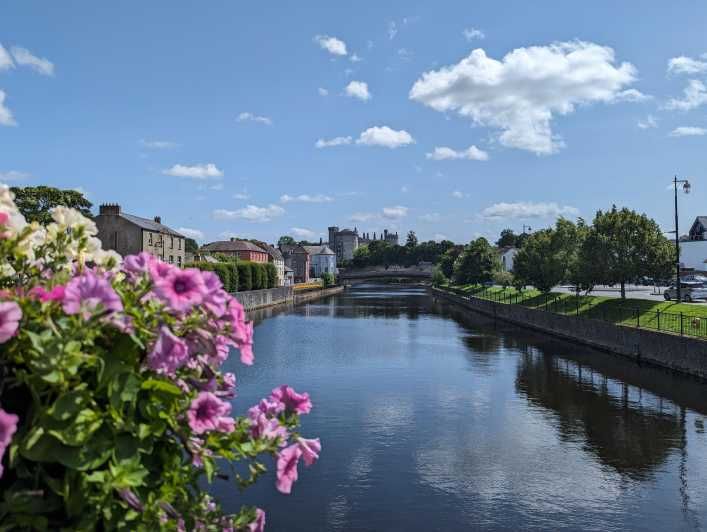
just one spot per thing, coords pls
(256, 299)
(680, 353)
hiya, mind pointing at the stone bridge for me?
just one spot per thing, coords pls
(413, 273)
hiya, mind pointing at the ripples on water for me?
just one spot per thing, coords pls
(432, 418)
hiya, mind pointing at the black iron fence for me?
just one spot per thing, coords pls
(614, 311)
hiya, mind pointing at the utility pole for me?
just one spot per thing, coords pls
(686, 188)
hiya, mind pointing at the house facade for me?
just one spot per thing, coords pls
(693, 249)
(507, 257)
(275, 256)
(322, 258)
(241, 249)
(128, 234)
(297, 258)
(698, 231)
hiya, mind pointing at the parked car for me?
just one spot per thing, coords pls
(690, 291)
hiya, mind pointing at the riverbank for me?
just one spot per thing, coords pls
(259, 299)
(679, 353)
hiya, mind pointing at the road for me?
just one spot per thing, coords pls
(632, 291)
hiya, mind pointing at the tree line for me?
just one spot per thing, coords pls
(382, 253)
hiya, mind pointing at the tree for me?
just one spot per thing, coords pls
(286, 240)
(622, 246)
(190, 245)
(477, 263)
(411, 240)
(446, 261)
(438, 278)
(35, 203)
(503, 278)
(361, 257)
(508, 238)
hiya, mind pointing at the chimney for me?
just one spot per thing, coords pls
(109, 208)
(158, 219)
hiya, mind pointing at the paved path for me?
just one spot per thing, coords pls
(632, 291)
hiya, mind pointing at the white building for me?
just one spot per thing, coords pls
(507, 257)
(693, 252)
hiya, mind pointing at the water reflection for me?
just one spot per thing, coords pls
(433, 418)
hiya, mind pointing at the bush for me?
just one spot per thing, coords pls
(245, 278)
(328, 280)
(256, 275)
(272, 275)
(438, 278)
(503, 278)
(114, 411)
(222, 269)
(233, 271)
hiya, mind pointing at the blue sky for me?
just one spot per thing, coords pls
(454, 119)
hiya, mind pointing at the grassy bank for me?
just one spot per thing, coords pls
(680, 318)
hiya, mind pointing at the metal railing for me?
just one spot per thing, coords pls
(583, 307)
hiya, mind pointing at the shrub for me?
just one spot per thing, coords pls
(233, 271)
(503, 278)
(272, 274)
(221, 269)
(256, 273)
(328, 280)
(245, 279)
(114, 411)
(438, 278)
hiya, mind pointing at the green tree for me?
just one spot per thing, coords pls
(286, 240)
(361, 257)
(35, 203)
(622, 246)
(411, 240)
(503, 278)
(446, 261)
(328, 280)
(507, 238)
(190, 245)
(477, 263)
(438, 278)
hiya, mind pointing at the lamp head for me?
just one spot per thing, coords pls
(686, 187)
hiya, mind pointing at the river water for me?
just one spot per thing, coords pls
(433, 418)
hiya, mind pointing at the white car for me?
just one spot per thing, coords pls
(689, 291)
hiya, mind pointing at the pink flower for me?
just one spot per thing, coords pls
(293, 401)
(8, 427)
(88, 293)
(263, 427)
(181, 289)
(139, 263)
(268, 406)
(4, 219)
(241, 330)
(207, 412)
(310, 450)
(259, 524)
(10, 316)
(215, 299)
(168, 354)
(41, 293)
(159, 270)
(287, 461)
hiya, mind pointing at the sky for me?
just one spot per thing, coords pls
(455, 119)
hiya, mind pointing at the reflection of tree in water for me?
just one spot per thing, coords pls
(630, 438)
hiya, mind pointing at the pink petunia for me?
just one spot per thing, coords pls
(310, 450)
(259, 524)
(8, 427)
(181, 289)
(208, 413)
(263, 427)
(287, 461)
(10, 316)
(4, 219)
(89, 293)
(168, 354)
(140, 263)
(293, 401)
(215, 298)
(44, 295)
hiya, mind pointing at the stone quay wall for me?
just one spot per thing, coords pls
(256, 299)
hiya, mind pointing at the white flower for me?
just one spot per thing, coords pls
(71, 218)
(108, 259)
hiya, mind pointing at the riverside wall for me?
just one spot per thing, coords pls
(256, 299)
(679, 353)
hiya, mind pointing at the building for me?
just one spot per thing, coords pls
(507, 255)
(242, 249)
(699, 229)
(297, 258)
(128, 234)
(345, 242)
(289, 276)
(322, 259)
(279, 262)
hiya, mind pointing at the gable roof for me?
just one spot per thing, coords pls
(701, 220)
(150, 225)
(232, 245)
(274, 253)
(319, 250)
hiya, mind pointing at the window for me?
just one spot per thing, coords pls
(171, 242)
(179, 261)
(179, 243)
(171, 259)
(149, 238)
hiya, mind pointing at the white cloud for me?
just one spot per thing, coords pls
(528, 210)
(331, 44)
(250, 213)
(458, 194)
(386, 137)
(355, 58)
(241, 196)
(6, 62)
(431, 217)
(303, 233)
(358, 89)
(472, 33)
(688, 131)
(250, 117)
(198, 171)
(405, 54)
(306, 198)
(337, 141)
(649, 122)
(686, 65)
(472, 153)
(521, 93)
(158, 144)
(364, 216)
(695, 95)
(13, 175)
(191, 233)
(6, 118)
(395, 213)
(24, 57)
(438, 237)
(392, 30)
(322, 92)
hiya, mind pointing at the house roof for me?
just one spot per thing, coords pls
(274, 253)
(150, 225)
(232, 245)
(702, 220)
(292, 248)
(319, 250)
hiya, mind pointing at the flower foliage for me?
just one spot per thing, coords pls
(113, 407)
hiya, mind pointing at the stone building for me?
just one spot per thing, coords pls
(507, 255)
(322, 258)
(297, 258)
(242, 249)
(385, 236)
(279, 262)
(345, 242)
(128, 234)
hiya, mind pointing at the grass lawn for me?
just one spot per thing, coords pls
(659, 315)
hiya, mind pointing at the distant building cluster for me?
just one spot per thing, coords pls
(345, 242)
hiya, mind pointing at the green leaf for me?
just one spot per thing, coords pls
(85, 423)
(68, 405)
(128, 473)
(162, 386)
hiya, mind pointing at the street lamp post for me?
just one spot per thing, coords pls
(526, 227)
(686, 188)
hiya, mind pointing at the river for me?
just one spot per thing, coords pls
(433, 418)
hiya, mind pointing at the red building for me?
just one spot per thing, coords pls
(236, 248)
